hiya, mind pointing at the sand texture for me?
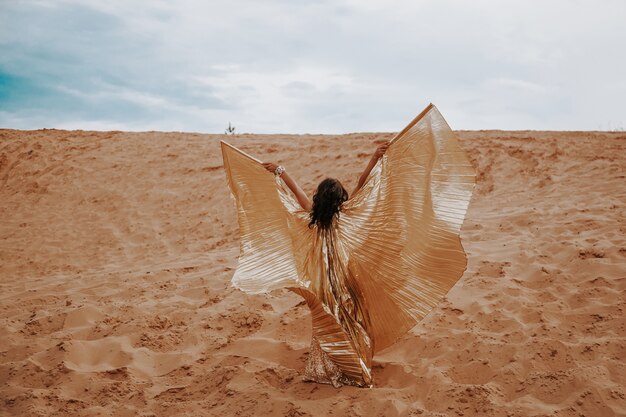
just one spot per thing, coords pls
(117, 249)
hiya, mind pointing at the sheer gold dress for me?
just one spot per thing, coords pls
(391, 254)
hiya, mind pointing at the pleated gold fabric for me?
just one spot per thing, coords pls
(391, 254)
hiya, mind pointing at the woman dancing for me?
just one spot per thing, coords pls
(369, 265)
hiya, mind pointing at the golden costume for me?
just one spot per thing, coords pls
(391, 254)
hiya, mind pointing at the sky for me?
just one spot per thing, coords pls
(303, 66)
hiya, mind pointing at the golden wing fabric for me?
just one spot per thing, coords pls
(401, 229)
(271, 225)
(391, 255)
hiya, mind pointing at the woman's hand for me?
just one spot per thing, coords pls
(293, 186)
(271, 167)
(380, 151)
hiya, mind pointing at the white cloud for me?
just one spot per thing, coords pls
(314, 66)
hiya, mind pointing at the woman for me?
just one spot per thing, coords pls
(370, 266)
(327, 202)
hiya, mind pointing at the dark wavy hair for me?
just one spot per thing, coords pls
(327, 200)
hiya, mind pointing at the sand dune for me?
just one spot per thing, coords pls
(116, 251)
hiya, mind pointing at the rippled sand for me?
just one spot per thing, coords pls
(116, 251)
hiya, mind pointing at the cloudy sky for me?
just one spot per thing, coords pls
(289, 66)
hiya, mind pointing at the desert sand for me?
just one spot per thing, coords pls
(117, 250)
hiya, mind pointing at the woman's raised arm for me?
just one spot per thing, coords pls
(300, 195)
(380, 150)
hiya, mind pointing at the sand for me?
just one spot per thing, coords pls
(117, 249)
